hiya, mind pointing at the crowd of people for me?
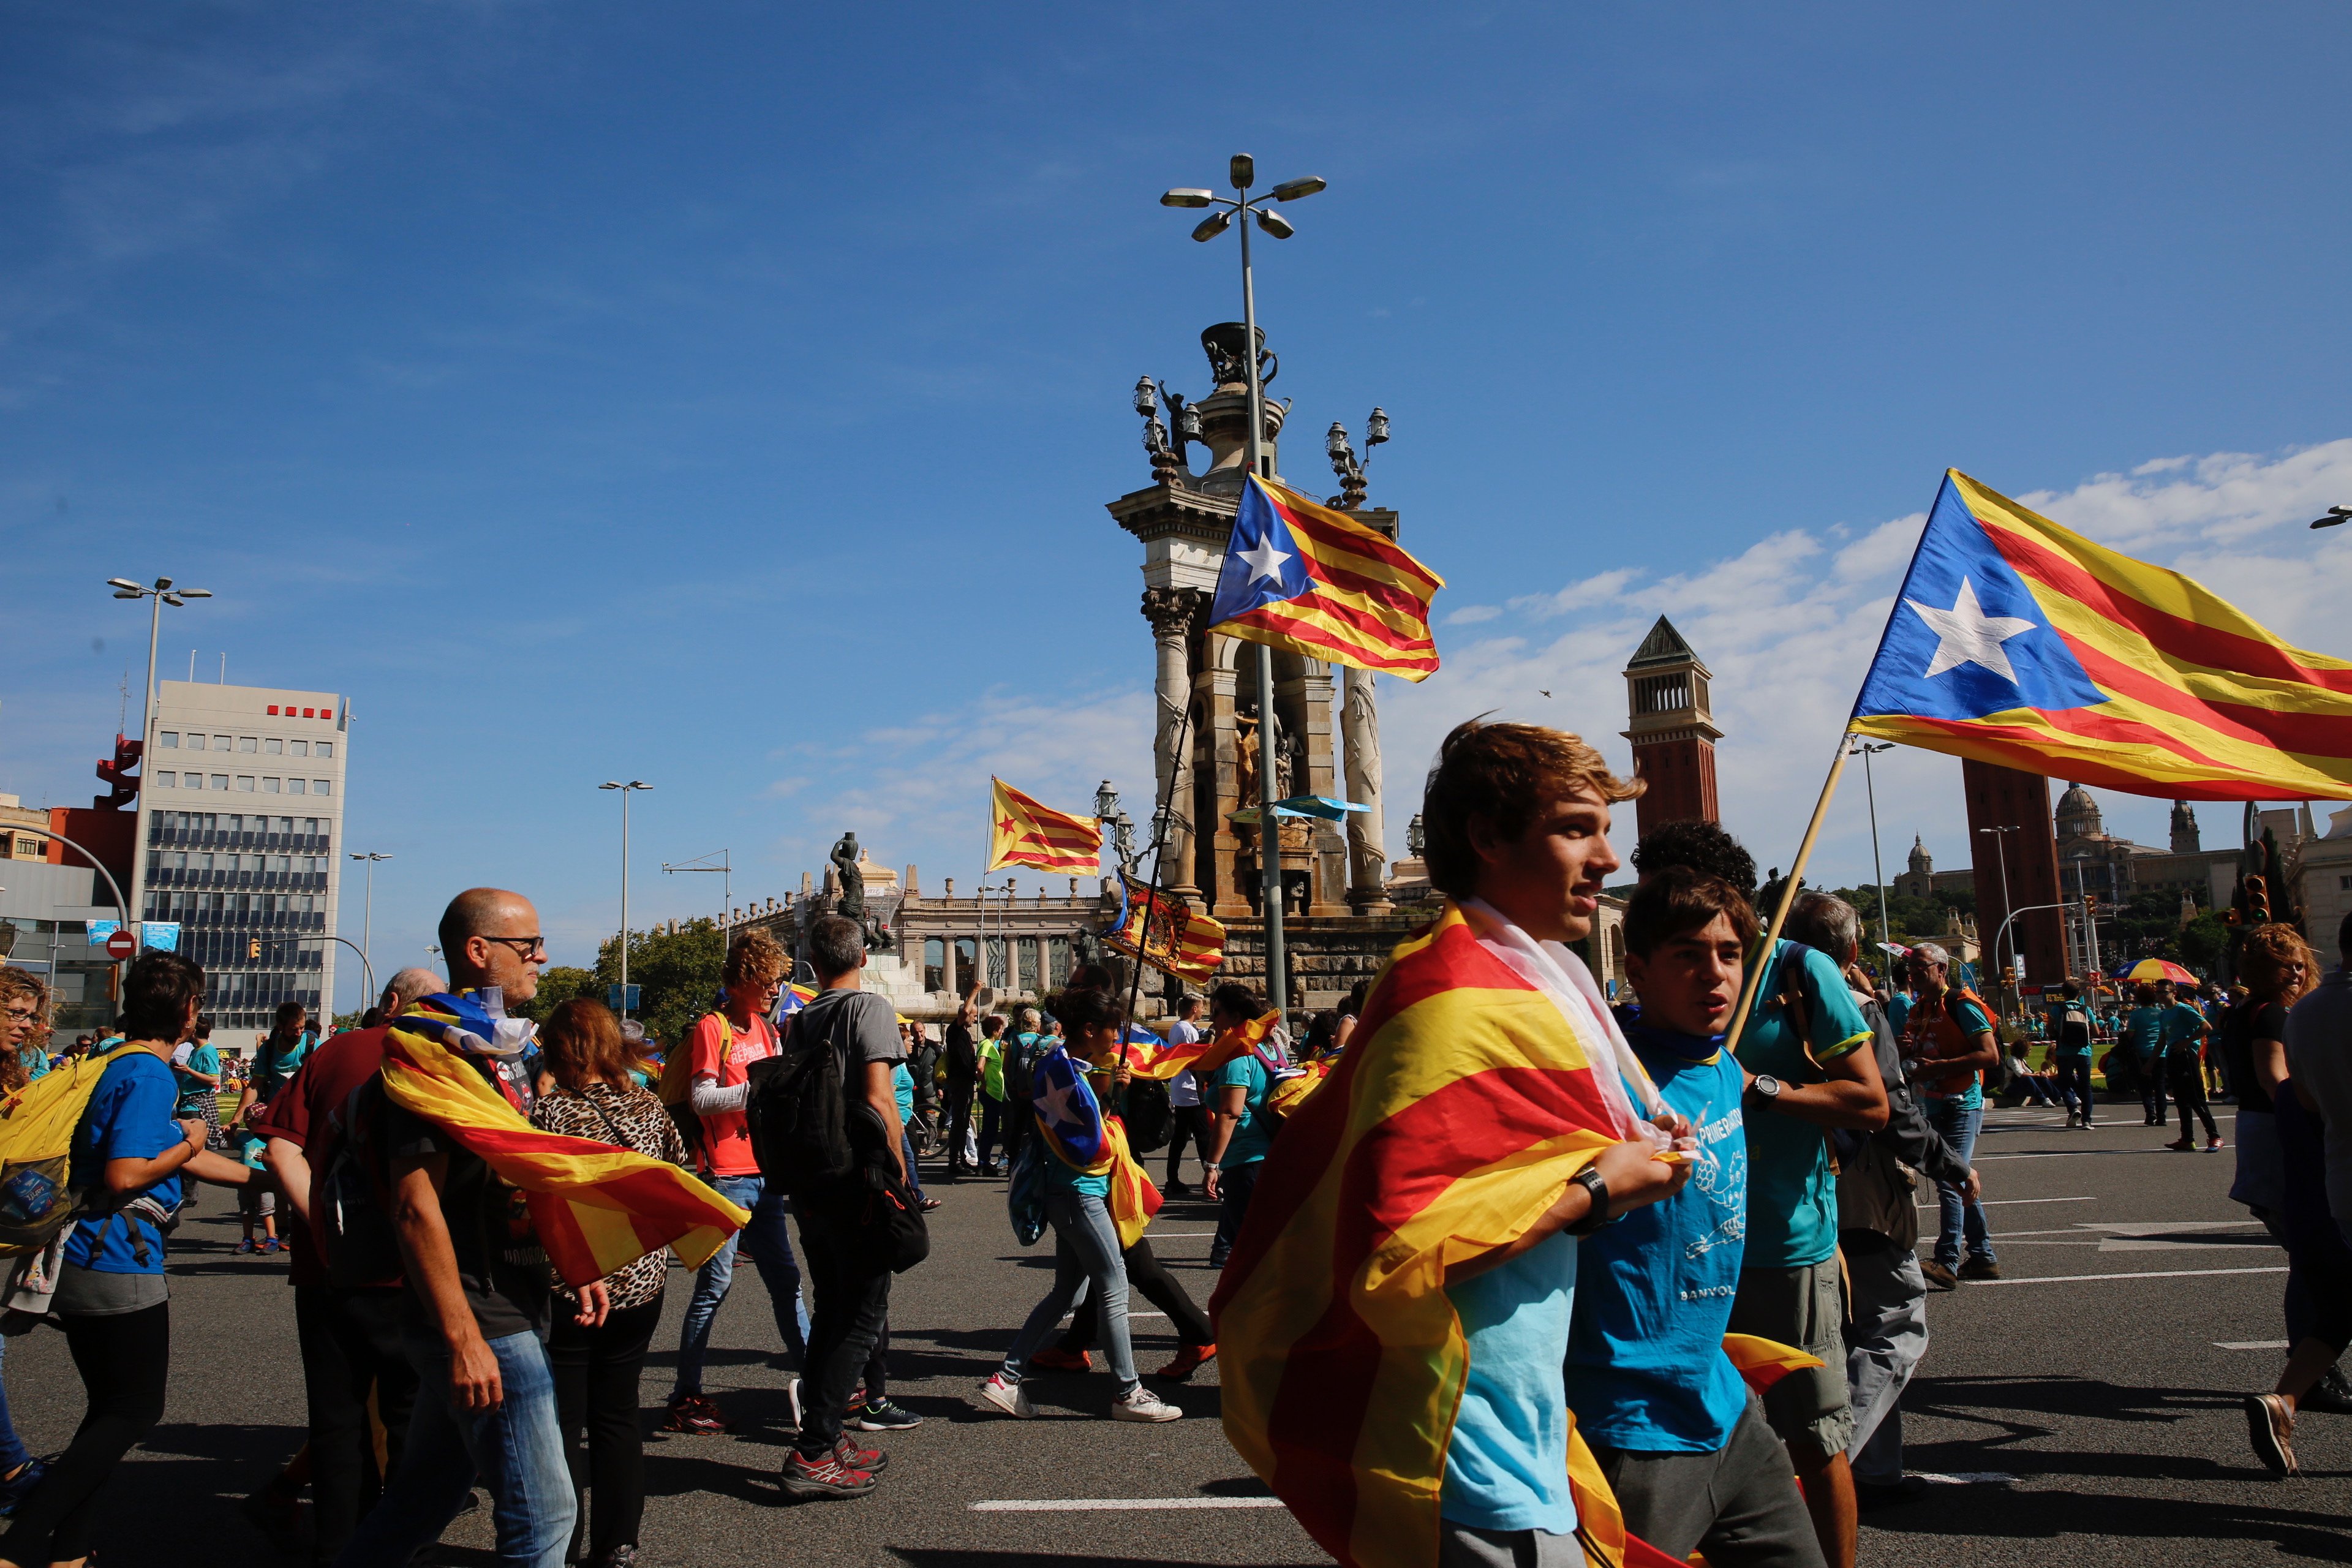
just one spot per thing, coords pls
(1765, 1192)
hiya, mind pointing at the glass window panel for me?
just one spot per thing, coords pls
(246, 743)
(321, 786)
(996, 977)
(195, 742)
(1057, 962)
(935, 958)
(327, 748)
(269, 786)
(245, 781)
(273, 746)
(285, 825)
(168, 781)
(301, 748)
(220, 781)
(1025, 950)
(223, 743)
(169, 737)
(967, 970)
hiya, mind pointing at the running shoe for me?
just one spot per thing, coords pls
(822, 1477)
(2072, 1120)
(1938, 1278)
(873, 1461)
(246, 1247)
(2269, 1425)
(1054, 1358)
(694, 1414)
(881, 1416)
(2212, 1145)
(1188, 1360)
(1217, 1257)
(1979, 1269)
(1139, 1404)
(2189, 1145)
(2331, 1395)
(16, 1488)
(273, 1246)
(1000, 1393)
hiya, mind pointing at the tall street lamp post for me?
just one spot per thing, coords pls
(367, 920)
(163, 593)
(625, 789)
(2001, 850)
(1877, 870)
(1242, 172)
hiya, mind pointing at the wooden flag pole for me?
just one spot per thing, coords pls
(1158, 846)
(1788, 894)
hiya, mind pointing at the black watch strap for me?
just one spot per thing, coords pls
(1590, 1179)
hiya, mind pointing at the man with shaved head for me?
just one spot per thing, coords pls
(349, 1330)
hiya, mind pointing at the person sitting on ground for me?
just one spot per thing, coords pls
(2039, 1086)
(597, 1366)
(1684, 1445)
(1086, 1248)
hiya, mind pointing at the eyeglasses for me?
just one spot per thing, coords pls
(23, 1015)
(524, 946)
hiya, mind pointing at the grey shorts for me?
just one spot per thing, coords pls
(1467, 1546)
(1739, 1505)
(1802, 1307)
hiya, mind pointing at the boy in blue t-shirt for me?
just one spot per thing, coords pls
(1694, 1464)
(1245, 1128)
(257, 1201)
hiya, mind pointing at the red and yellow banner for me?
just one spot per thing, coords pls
(1026, 832)
(1167, 934)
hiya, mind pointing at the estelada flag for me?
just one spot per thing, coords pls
(1465, 1100)
(2016, 641)
(1168, 933)
(597, 1208)
(1025, 832)
(1070, 1121)
(1316, 581)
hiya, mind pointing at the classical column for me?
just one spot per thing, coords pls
(1173, 612)
(1366, 853)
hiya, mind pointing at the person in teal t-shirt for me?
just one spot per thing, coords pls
(2070, 1053)
(196, 1072)
(2143, 1032)
(2184, 1065)
(1244, 1129)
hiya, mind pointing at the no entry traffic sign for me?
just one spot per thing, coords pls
(119, 943)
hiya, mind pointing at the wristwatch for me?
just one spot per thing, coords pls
(1597, 1215)
(1768, 1086)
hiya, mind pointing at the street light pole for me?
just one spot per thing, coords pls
(1242, 172)
(367, 921)
(163, 593)
(2000, 850)
(625, 789)
(1877, 869)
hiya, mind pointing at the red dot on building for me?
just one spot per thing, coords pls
(306, 713)
(273, 709)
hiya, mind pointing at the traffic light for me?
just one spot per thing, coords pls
(2258, 901)
(253, 948)
(2008, 976)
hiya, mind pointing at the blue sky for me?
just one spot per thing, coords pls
(726, 395)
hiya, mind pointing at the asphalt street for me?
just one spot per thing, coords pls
(2087, 1407)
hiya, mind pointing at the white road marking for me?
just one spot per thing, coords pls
(1117, 1504)
(1995, 1202)
(2250, 1344)
(2142, 1274)
(1965, 1478)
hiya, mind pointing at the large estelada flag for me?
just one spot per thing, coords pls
(1462, 1106)
(2016, 641)
(596, 1208)
(1167, 933)
(1303, 578)
(1026, 832)
(1071, 1121)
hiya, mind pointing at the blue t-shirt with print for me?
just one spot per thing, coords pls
(1507, 1462)
(1655, 1289)
(128, 1118)
(1253, 1134)
(1791, 1195)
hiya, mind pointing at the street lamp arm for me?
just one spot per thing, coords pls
(2027, 910)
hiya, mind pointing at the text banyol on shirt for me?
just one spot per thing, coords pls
(724, 1053)
(1791, 1195)
(1646, 1367)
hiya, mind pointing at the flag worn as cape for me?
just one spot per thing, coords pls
(2015, 641)
(596, 1208)
(1071, 1122)
(1317, 582)
(1167, 933)
(1023, 831)
(1466, 1099)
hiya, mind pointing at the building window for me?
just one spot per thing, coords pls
(997, 979)
(935, 958)
(2345, 883)
(245, 783)
(967, 965)
(301, 748)
(195, 742)
(1057, 962)
(273, 746)
(245, 743)
(168, 738)
(327, 748)
(309, 825)
(321, 786)
(221, 742)
(1024, 951)
(167, 781)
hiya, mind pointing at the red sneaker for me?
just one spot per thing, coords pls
(1188, 1360)
(873, 1461)
(694, 1414)
(1052, 1358)
(824, 1478)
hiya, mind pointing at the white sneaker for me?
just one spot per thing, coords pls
(1139, 1404)
(999, 1392)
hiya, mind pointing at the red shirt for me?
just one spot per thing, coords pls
(724, 1053)
(308, 1113)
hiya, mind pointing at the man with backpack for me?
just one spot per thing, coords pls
(2070, 1052)
(715, 1063)
(346, 1299)
(827, 1119)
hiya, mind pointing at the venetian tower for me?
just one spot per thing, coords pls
(1673, 731)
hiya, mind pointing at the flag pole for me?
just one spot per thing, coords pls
(1755, 974)
(1158, 847)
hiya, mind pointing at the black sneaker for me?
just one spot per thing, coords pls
(2331, 1395)
(881, 1416)
(804, 1479)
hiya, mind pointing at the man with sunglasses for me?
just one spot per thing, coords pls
(721, 1048)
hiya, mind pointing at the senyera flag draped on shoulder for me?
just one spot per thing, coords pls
(1209, 1052)
(2019, 641)
(1462, 1106)
(1167, 933)
(1305, 578)
(596, 1208)
(1026, 832)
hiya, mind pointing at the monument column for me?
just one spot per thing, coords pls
(1367, 843)
(1173, 612)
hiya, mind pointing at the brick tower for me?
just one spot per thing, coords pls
(1673, 733)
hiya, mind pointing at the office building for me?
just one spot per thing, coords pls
(240, 826)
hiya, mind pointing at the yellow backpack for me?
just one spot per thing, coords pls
(37, 1130)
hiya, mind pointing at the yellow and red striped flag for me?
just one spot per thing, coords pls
(2015, 641)
(1168, 933)
(1025, 832)
(1463, 1105)
(1303, 578)
(596, 1208)
(1209, 1052)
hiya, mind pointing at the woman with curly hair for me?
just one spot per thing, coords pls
(24, 1029)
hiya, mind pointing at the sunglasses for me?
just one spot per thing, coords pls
(523, 946)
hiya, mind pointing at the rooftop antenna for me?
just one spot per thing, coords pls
(192, 666)
(124, 716)
(224, 680)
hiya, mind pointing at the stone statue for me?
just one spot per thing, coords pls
(852, 901)
(1363, 777)
(1290, 759)
(1086, 946)
(1245, 750)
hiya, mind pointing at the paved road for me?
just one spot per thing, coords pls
(2093, 1379)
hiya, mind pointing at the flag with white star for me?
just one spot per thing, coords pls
(2015, 641)
(1316, 581)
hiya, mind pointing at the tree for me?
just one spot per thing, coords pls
(2202, 942)
(557, 985)
(677, 974)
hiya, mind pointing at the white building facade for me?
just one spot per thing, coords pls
(239, 838)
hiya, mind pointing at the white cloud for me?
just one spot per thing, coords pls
(1471, 614)
(1787, 642)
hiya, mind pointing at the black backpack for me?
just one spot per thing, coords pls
(794, 1111)
(349, 1201)
(1149, 1116)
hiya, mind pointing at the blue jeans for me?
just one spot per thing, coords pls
(1957, 1124)
(12, 1452)
(515, 1450)
(767, 1238)
(914, 1181)
(1086, 1254)
(2075, 1084)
